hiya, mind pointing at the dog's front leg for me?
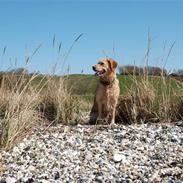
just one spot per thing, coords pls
(113, 114)
(100, 110)
(99, 119)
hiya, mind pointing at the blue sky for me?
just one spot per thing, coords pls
(117, 29)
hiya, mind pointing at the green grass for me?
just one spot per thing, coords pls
(85, 85)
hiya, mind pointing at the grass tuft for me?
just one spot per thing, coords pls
(18, 108)
(58, 104)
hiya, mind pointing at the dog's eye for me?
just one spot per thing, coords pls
(101, 63)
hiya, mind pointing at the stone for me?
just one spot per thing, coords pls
(117, 157)
(44, 181)
(99, 179)
(170, 181)
(29, 180)
(11, 180)
(56, 176)
(2, 181)
(141, 153)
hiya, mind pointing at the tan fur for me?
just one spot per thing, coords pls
(107, 93)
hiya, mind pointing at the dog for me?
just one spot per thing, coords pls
(107, 92)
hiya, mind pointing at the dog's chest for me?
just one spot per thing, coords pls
(107, 92)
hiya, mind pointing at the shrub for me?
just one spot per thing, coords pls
(149, 70)
(145, 104)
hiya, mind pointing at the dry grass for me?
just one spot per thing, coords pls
(58, 104)
(18, 109)
(145, 104)
(23, 106)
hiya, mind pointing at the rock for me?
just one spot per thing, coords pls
(56, 176)
(133, 153)
(29, 180)
(31, 168)
(2, 181)
(88, 156)
(170, 181)
(19, 175)
(44, 181)
(99, 179)
(11, 180)
(117, 157)
(43, 176)
(27, 148)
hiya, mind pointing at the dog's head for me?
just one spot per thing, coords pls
(104, 67)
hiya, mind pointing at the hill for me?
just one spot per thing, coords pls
(85, 84)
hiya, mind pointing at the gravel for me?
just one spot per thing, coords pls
(82, 154)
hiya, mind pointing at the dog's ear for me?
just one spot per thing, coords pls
(112, 64)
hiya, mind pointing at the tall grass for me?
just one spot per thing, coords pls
(145, 103)
(24, 105)
(19, 103)
(58, 104)
(151, 100)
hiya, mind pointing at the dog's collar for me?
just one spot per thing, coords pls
(106, 83)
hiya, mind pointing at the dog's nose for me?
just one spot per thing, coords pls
(94, 68)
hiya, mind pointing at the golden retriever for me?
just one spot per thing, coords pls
(107, 93)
